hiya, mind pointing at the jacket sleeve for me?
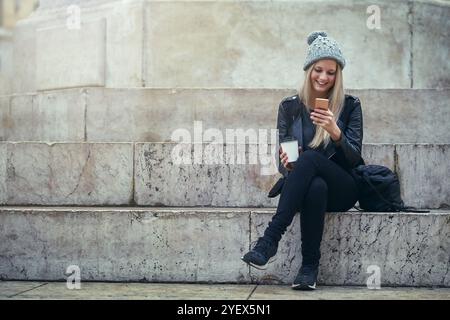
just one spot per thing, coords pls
(351, 139)
(282, 127)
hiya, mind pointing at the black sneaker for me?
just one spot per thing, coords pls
(259, 256)
(306, 278)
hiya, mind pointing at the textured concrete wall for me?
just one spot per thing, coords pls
(129, 244)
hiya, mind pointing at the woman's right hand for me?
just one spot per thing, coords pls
(285, 161)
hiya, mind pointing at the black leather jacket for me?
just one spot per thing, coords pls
(346, 152)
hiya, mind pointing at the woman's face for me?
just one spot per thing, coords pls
(323, 76)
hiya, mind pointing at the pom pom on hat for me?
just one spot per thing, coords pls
(313, 36)
(321, 46)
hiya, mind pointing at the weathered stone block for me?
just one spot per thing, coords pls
(379, 154)
(431, 43)
(403, 249)
(202, 175)
(71, 57)
(232, 44)
(124, 45)
(138, 115)
(69, 173)
(3, 173)
(157, 245)
(52, 116)
(424, 173)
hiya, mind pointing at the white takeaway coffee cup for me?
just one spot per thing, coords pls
(291, 149)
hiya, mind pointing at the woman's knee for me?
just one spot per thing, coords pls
(318, 188)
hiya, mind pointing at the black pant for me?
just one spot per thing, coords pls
(314, 186)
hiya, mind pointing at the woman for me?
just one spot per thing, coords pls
(330, 144)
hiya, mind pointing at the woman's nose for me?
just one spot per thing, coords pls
(323, 76)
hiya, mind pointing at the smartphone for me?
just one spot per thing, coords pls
(321, 103)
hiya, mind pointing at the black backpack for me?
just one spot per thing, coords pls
(379, 190)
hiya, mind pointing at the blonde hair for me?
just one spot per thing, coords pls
(335, 96)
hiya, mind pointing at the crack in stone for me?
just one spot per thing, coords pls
(81, 174)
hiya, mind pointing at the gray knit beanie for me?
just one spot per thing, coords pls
(322, 47)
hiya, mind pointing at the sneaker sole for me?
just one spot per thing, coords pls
(304, 287)
(263, 267)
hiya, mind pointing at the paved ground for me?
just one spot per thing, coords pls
(154, 291)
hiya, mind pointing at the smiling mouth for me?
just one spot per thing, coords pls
(321, 85)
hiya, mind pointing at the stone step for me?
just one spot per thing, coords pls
(205, 245)
(152, 115)
(172, 174)
(239, 44)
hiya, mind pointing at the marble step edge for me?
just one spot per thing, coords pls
(196, 210)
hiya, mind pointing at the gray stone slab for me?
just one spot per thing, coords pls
(172, 174)
(232, 44)
(139, 244)
(24, 58)
(191, 245)
(182, 291)
(431, 43)
(405, 116)
(241, 38)
(424, 172)
(3, 173)
(163, 179)
(4, 120)
(11, 289)
(278, 292)
(379, 154)
(142, 115)
(139, 115)
(71, 57)
(69, 173)
(20, 123)
(139, 291)
(7, 65)
(52, 116)
(252, 109)
(124, 45)
(407, 249)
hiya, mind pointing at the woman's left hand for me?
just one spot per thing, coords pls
(325, 119)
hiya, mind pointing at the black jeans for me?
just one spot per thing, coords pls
(314, 186)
